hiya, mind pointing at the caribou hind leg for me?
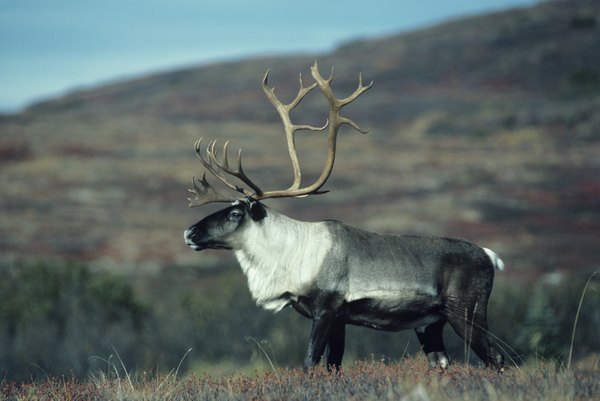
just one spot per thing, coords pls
(432, 343)
(471, 325)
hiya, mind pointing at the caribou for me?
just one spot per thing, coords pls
(335, 274)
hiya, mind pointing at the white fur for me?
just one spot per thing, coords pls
(496, 261)
(444, 362)
(280, 255)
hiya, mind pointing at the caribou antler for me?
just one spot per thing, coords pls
(290, 128)
(205, 193)
(220, 168)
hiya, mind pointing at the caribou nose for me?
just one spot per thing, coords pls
(187, 236)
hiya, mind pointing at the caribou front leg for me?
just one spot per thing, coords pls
(319, 336)
(336, 343)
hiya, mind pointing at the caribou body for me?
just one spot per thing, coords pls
(335, 274)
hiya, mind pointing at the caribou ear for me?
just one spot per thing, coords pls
(257, 211)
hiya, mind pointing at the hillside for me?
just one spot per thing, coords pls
(485, 128)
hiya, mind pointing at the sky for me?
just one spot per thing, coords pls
(50, 47)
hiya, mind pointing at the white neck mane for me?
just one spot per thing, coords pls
(281, 255)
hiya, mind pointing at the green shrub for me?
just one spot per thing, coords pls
(536, 318)
(53, 318)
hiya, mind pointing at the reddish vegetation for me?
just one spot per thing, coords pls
(14, 151)
(409, 379)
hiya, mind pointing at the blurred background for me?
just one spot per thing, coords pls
(483, 122)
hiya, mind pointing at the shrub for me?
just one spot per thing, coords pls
(54, 317)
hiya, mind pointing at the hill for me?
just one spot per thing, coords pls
(484, 128)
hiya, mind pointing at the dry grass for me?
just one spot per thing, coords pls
(409, 379)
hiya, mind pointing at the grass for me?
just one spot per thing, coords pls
(408, 379)
(577, 319)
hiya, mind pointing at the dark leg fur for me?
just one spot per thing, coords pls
(319, 337)
(432, 343)
(336, 343)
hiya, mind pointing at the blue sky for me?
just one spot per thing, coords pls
(48, 47)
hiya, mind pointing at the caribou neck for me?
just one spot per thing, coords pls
(282, 257)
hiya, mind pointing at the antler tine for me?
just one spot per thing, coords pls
(336, 104)
(205, 163)
(212, 164)
(303, 91)
(222, 166)
(205, 193)
(225, 161)
(359, 91)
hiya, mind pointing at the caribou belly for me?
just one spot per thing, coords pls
(394, 314)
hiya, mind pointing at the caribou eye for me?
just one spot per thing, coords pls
(235, 215)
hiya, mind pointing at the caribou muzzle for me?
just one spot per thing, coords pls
(188, 236)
